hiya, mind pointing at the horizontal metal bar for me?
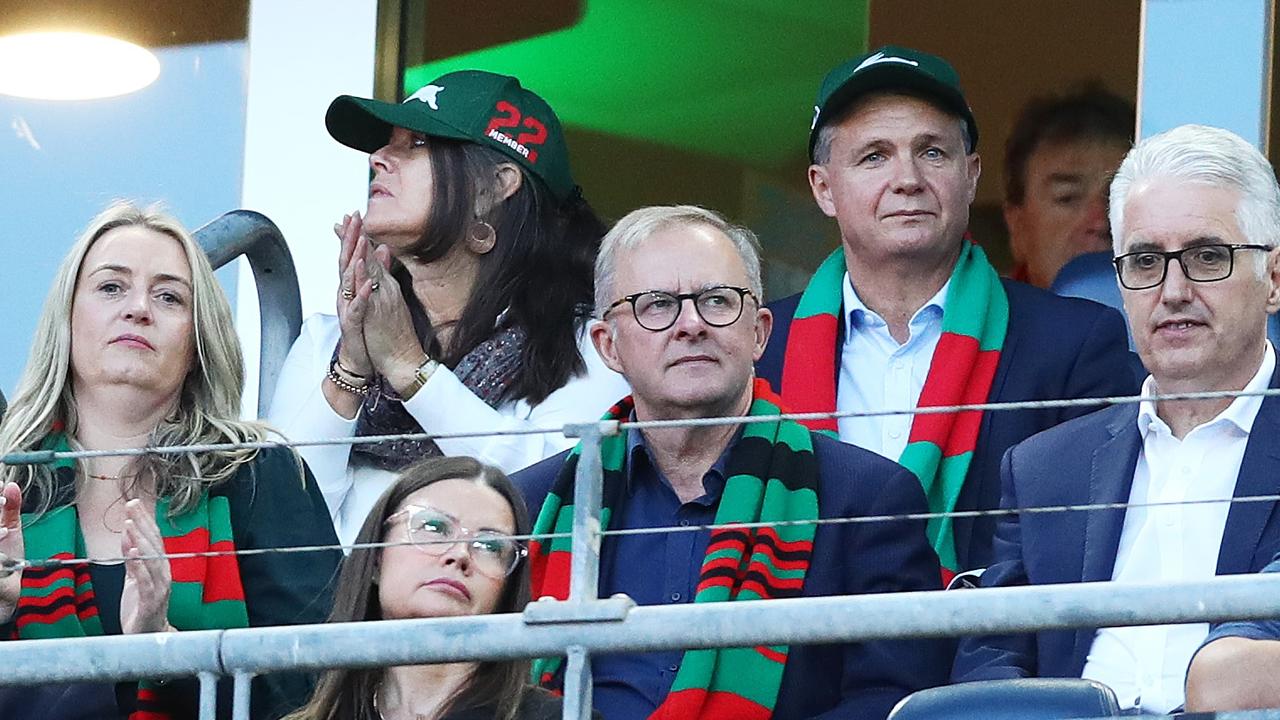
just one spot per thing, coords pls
(118, 657)
(798, 621)
(492, 637)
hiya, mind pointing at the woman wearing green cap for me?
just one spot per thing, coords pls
(464, 289)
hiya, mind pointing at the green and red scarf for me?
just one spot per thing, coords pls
(58, 601)
(940, 446)
(772, 477)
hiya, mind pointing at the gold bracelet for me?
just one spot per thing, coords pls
(420, 377)
(342, 384)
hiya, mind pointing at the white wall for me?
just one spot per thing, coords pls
(302, 54)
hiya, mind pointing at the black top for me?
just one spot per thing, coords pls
(269, 508)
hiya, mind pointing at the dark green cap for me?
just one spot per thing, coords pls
(890, 68)
(482, 107)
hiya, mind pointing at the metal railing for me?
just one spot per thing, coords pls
(584, 625)
(253, 235)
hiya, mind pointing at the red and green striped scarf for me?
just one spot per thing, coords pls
(772, 476)
(58, 601)
(963, 368)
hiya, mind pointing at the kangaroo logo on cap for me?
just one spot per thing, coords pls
(816, 112)
(880, 57)
(427, 95)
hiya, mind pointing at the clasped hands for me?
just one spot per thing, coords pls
(377, 330)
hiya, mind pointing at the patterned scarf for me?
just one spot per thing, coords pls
(487, 371)
(963, 368)
(58, 601)
(772, 477)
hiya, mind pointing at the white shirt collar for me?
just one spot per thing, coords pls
(853, 304)
(1241, 412)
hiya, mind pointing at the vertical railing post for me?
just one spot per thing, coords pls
(240, 695)
(584, 578)
(208, 695)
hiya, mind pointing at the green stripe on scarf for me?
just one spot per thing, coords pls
(771, 477)
(205, 592)
(939, 448)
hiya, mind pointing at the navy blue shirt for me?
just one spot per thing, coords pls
(861, 680)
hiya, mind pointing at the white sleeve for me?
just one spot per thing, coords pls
(445, 405)
(299, 410)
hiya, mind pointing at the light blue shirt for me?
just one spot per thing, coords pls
(876, 373)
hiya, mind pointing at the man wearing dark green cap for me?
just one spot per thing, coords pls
(909, 312)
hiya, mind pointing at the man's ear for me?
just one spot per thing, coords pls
(1273, 277)
(974, 169)
(764, 328)
(602, 336)
(820, 186)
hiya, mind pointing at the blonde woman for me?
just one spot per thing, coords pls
(135, 347)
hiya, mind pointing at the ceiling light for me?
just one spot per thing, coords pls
(73, 66)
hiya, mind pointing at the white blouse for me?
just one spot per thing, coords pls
(444, 405)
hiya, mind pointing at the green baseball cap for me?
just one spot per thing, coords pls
(482, 107)
(888, 68)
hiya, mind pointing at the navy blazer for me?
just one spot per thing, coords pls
(1055, 348)
(1091, 460)
(853, 680)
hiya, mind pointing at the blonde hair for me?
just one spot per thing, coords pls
(208, 408)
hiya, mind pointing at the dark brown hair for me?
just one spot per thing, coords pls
(347, 694)
(1091, 113)
(536, 277)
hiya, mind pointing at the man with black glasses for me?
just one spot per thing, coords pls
(678, 294)
(1196, 214)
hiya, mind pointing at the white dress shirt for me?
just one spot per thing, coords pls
(1146, 666)
(876, 373)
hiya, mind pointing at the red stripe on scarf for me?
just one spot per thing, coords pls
(550, 575)
(770, 653)
(777, 583)
(55, 616)
(808, 383)
(784, 545)
(698, 703)
(964, 436)
(63, 593)
(941, 387)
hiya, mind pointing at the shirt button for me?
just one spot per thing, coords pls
(672, 668)
(684, 523)
(675, 597)
(895, 434)
(1186, 469)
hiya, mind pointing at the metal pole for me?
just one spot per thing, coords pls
(240, 695)
(584, 577)
(797, 621)
(577, 684)
(208, 695)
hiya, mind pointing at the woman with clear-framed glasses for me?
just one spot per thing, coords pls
(447, 522)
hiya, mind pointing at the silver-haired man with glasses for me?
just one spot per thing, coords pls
(680, 317)
(1195, 213)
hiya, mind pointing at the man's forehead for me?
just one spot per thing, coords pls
(687, 254)
(1172, 213)
(893, 118)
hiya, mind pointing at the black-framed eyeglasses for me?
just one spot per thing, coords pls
(657, 310)
(434, 531)
(1200, 263)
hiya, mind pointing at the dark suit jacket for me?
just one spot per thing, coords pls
(1055, 348)
(1091, 460)
(856, 680)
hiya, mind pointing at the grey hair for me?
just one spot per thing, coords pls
(639, 225)
(1207, 156)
